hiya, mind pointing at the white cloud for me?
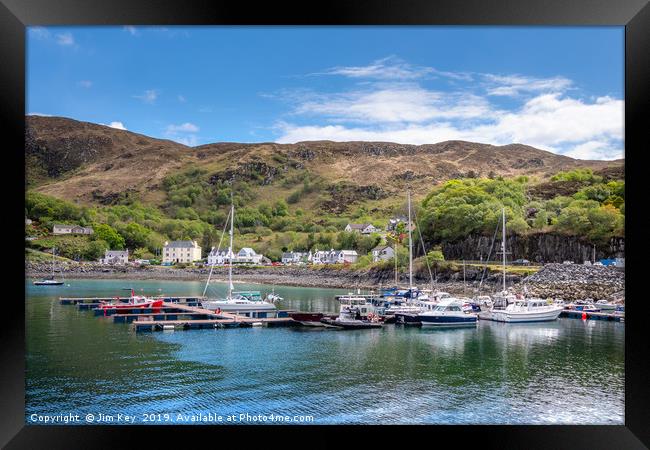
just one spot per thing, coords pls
(85, 83)
(39, 32)
(117, 125)
(394, 104)
(183, 133)
(189, 140)
(131, 30)
(39, 114)
(183, 128)
(391, 68)
(551, 122)
(181, 98)
(205, 109)
(149, 96)
(65, 39)
(595, 150)
(513, 85)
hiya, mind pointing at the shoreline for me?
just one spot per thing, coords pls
(567, 282)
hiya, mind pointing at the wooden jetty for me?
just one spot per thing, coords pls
(209, 319)
(175, 313)
(195, 300)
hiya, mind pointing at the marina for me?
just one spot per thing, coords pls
(83, 360)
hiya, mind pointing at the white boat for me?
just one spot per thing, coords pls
(448, 313)
(272, 297)
(510, 309)
(50, 281)
(357, 303)
(605, 306)
(238, 303)
(527, 310)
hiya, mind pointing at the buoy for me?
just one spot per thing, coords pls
(584, 316)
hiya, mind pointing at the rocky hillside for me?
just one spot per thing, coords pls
(90, 163)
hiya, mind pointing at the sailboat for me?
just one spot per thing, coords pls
(237, 302)
(521, 309)
(417, 301)
(50, 281)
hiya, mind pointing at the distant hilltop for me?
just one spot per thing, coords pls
(90, 163)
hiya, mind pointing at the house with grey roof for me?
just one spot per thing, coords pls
(382, 253)
(115, 257)
(363, 228)
(71, 229)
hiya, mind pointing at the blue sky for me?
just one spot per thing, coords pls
(555, 88)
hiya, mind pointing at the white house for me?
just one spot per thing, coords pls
(115, 257)
(245, 256)
(382, 252)
(334, 257)
(219, 257)
(363, 228)
(394, 221)
(248, 256)
(71, 229)
(181, 252)
(295, 257)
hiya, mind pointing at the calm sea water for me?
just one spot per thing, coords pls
(564, 372)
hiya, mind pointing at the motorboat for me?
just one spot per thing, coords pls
(273, 297)
(448, 313)
(527, 310)
(605, 306)
(584, 307)
(134, 301)
(349, 319)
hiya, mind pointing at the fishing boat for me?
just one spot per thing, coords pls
(51, 281)
(134, 301)
(511, 309)
(348, 319)
(247, 303)
(584, 307)
(448, 313)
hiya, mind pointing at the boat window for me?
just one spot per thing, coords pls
(453, 308)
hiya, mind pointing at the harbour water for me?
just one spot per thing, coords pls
(564, 372)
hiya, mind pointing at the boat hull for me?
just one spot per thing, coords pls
(351, 324)
(525, 316)
(448, 320)
(128, 306)
(246, 307)
(40, 283)
(407, 319)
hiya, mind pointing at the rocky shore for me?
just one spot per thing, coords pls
(576, 281)
(566, 281)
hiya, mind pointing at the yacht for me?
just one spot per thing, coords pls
(448, 313)
(247, 303)
(51, 281)
(509, 308)
(605, 306)
(527, 310)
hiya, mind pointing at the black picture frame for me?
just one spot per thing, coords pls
(15, 15)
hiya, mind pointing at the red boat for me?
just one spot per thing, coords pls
(135, 301)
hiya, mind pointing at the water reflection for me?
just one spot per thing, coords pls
(493, 373)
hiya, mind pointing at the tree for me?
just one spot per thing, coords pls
(109, 235)
(96, 249)
(135, 235)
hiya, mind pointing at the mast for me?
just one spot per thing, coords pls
(232, 221)
(395, 258)
(503, 246)
(53, 251)
(410, 246)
